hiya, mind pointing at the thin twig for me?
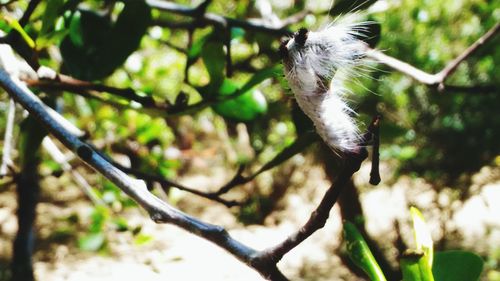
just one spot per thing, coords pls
(165, 183)
(29, 11)
(439, 78)
(7, 141)
(214, 19)
(301, 142)
(67, 83)
(375, 170)
(59, 157)
(452, 66)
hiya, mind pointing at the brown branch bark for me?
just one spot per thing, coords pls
(263, 262)
(67, 83)
(319, 216)
(215, 19)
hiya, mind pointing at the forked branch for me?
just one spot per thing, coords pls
(265, 262)
(439, 78)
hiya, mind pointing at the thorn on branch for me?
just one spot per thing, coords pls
(375, 170)
(201, 9)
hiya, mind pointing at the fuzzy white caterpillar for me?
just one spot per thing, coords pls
(314, 65)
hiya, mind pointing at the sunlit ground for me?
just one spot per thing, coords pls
(173, 254)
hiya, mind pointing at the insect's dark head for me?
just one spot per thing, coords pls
(300, 36)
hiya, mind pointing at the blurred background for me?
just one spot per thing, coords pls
(439, 148)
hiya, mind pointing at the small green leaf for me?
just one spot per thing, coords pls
(14, 24)
(195, 50)
(415, 266)
(141, 239)
(457, 266)
(92, 242)
(214, 59)
(127, 32)
(262, 75)
(423, 239)
(360, 253)
(121, 224)
(75, 29)
(244, 107)
(98, 219)
(237, 32)
(95, 46)
(52, 11)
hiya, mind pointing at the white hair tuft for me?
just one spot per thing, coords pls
(316, 64)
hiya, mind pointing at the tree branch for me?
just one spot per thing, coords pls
(29, 11)
(439, 78)
(161, 212)
(7, 141)
(214, 19)
(319, 216)
(169, 183)
(67, 83)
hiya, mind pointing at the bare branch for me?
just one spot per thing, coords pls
(7, 140)
(67, 83)
(29, 11)
(302, 142)
(439, 78)
(159, 211)
(214, 19)
(452, 66)
(165, 183)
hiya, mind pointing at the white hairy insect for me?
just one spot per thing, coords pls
(315, 64)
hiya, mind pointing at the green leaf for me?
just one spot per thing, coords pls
(76, 29)
(195, 50)
(244, 107)
(95, 46)
(262, 75)
(14, 24)
(52, 11)
(98, 219)
(423, 239)
(127, 32)
(237, 32)
(247, 104)
(360, 253)
(415, 266)
(214, 59)
(121, 224)
(92, 242)
(457, 266)
(142, 239)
